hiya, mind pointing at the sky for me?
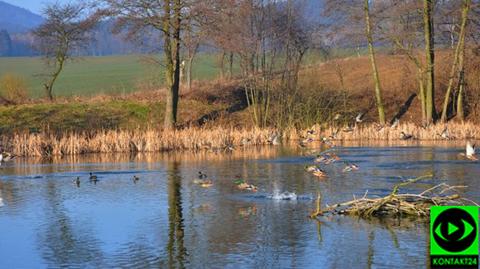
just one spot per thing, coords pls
(32, 5)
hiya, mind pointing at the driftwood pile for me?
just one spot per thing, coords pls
(396, 204)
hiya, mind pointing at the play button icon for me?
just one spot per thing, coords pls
(452, 229)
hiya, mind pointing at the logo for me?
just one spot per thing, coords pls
(454, 237)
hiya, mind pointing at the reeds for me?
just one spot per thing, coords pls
(139, 140)
(457, 131)
(215, 139)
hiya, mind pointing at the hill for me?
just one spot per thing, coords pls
(17, 20)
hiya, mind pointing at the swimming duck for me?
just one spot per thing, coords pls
(135, 179)
(242, 185)
(404, 136)
(320, 173)
(6, 157)
(328, 142)
(320, 159)
(202, 175)
(351, 167)
(306, 141)
(93, 178)
(77, 182)
(470, 152)
(310, 168)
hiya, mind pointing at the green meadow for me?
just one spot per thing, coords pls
(89, 76)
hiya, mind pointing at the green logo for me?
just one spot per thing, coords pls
(454, 236)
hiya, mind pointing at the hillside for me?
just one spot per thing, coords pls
(17, 20)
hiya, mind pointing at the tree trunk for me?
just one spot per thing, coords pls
(230, 66)
(171, 28)
(430, 60)
(376, 78)
(458, 51)
(189, 72)
(49, 85)
(461, 90)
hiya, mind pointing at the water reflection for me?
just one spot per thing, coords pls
(166, 221)
(176, 248)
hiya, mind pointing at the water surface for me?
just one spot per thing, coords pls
(167, 221)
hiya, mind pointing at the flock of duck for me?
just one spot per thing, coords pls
(203, 181)
(94, 180)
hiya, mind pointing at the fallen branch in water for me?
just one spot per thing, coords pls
(396, 204)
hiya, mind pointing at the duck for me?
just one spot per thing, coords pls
(274, 139)
(359, 118)
(404, 136)
(202, 175)
(320, 173)
(93, 178)
(320, 159)
(310, 168)
(470, 152)
(445, 134)
(351, 167)
(242, 185)
(77, 182)
(334, 135)
(328, 142)
(246, 141)
(6, 157)
(306, 141)
(204, 183)
(135, 179)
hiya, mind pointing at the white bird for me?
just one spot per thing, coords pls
(470, 152)
(274, 139)
(446, 134)
(6, 157)
(359, 117)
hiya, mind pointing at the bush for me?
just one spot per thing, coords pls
(13, 89)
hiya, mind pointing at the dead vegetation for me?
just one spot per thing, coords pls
(397, 204)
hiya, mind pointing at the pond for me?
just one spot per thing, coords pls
(164, 220)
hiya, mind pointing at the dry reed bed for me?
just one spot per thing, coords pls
(216, 139)
(122, 141)
(457, 131)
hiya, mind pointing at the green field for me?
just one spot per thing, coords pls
(89, 76)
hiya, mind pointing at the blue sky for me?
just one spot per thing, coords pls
(32, 5)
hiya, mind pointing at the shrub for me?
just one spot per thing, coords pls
(13, 89)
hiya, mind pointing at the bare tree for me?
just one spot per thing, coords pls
(164, 17)
(371, 51)
(458, 58)
(64, 32)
